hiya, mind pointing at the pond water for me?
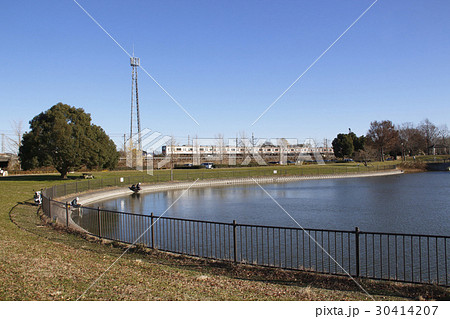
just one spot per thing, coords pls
(408, 203)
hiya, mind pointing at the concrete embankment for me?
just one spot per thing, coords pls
(438, 166)
(419, 166)
(59, 213)
(89, 198)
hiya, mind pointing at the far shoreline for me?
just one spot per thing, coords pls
(96, 196)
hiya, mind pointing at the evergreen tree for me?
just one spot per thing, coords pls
(63, 137)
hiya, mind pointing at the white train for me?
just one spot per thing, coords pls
(267, 150)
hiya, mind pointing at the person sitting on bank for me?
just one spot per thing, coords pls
(74, 202)
(135, 188)
(38, 198)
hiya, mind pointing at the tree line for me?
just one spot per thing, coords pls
(64, 137)
(384, 139)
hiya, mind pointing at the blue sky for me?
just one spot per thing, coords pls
(226, 62)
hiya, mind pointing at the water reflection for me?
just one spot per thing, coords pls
(414, 203)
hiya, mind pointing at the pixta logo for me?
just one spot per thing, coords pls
(141, 147)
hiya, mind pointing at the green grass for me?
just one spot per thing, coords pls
(429, 157)
(40, 262)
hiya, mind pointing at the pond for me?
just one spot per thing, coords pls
(408, 203)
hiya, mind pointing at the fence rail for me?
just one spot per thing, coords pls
(412, 258)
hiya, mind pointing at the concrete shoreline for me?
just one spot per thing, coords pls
(89, 198)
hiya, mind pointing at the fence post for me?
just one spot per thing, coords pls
(99, 227)
(42, 201)
(234, 242)
(357, 251)
(49, 207)
(67, 214)
(152, 231)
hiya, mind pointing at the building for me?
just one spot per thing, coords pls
(9, 161)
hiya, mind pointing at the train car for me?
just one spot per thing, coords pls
(213, 150)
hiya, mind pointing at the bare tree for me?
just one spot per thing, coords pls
(13, 143)
(383, 136)
(411, 139)
(431, 133)
(444, 138)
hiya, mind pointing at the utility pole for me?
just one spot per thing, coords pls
(171, 158)
(253, 139)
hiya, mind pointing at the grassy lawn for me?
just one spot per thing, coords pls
(40, 262)
(241, 172)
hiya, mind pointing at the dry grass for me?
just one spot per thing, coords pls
(40, 262)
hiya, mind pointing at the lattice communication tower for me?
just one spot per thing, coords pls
(134, 62)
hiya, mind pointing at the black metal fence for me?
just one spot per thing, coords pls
(409, 258)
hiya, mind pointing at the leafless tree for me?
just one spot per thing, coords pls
(13, 143)
(431, 133)
(444, 138)
(383, 136)
(411, 139)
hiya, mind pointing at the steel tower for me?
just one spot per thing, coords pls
(134, 62)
